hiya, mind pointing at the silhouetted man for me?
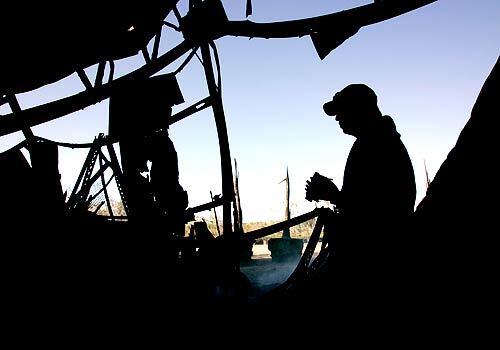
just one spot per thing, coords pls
(170, 198)
(378, 177)
(378, 191)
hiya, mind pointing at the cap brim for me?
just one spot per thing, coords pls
(330, 108)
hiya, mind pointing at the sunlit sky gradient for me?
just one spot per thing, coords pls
(427, 68)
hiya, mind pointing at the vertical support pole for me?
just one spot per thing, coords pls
(225, 154)
(249, 9)
(145, 53)
(232, 239)
(100, 74)
(156, 45)
(177, 15)
(83, 77)
(16, 108)
(111, 71)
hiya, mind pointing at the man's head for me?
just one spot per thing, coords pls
(354, 107)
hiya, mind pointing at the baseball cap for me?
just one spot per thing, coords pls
(352, 96)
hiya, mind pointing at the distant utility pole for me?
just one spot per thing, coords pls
(427, 181)
(237, 212)
(215, 215)
(286, 231)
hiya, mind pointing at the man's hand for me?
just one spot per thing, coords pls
(320, 187)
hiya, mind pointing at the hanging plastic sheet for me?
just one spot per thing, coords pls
(328, 39)
(143, 106)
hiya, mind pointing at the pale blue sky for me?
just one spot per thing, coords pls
(427, 68)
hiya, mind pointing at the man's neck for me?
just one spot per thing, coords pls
(369, 127)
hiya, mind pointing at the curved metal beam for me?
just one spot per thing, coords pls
(358, 16)
(13, 122)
